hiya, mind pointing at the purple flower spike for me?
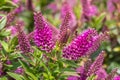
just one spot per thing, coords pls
(42, 33)
(23, 41)
(89, 10)
(117, 78)
(97, 64)
(111, 75)
(101, 74)
(1, 69)
(65, 9)
(80, 45)
(65, 29)
(16, 1)
(8, 62)
(11, 15)
(73, 78)
(19, 70)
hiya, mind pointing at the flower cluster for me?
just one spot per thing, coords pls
(23, 41)
(42, 33)
(11, 15)
(88, 9)
(65, 9)
(90, 68)
(79, 46)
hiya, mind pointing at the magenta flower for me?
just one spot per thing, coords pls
(89, 10)
(111, 74)
(12, 14)
(80, 45)
(53, 7)
(1, 69)
(23, 41)
(15, 1)
(19, 70)
(64, 30)
(64, 10)
(97, 40)
(72, 3)
(80, 70)
(73, 78)
(42, 33)
(117, 78)
(8, 62)
(101, 74)
(97, 64)
(13, 30)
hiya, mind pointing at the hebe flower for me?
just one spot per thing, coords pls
(64, 29)
(19, 70)
(80, 45)
(1, 69)
(111, 74)
(8, 62)
(97, 64)
(101, 74)
(11, 15)
(86, 67)
(42, 33)
(23, 41)
(116, 78)
(89, 10)
(64, 10)
(73, 78)
(16, 1)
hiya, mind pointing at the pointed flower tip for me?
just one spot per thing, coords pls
(97, 64)
(23, 41)
(19, 25)
(39, 20)
(43, 33)
(80, 45)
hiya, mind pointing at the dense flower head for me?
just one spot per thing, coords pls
(23, 41)
(42, 33)
(97, 64)
(80, 45)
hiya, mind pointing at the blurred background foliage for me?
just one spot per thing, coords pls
(104, 21)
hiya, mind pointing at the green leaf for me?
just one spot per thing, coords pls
(4, 33)
(28, 70)
(15, 76)
(97, 21)
(3, 22)
(3, 78)
(92, 77)
(5, 45)
(32, 76)
(13, 43)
